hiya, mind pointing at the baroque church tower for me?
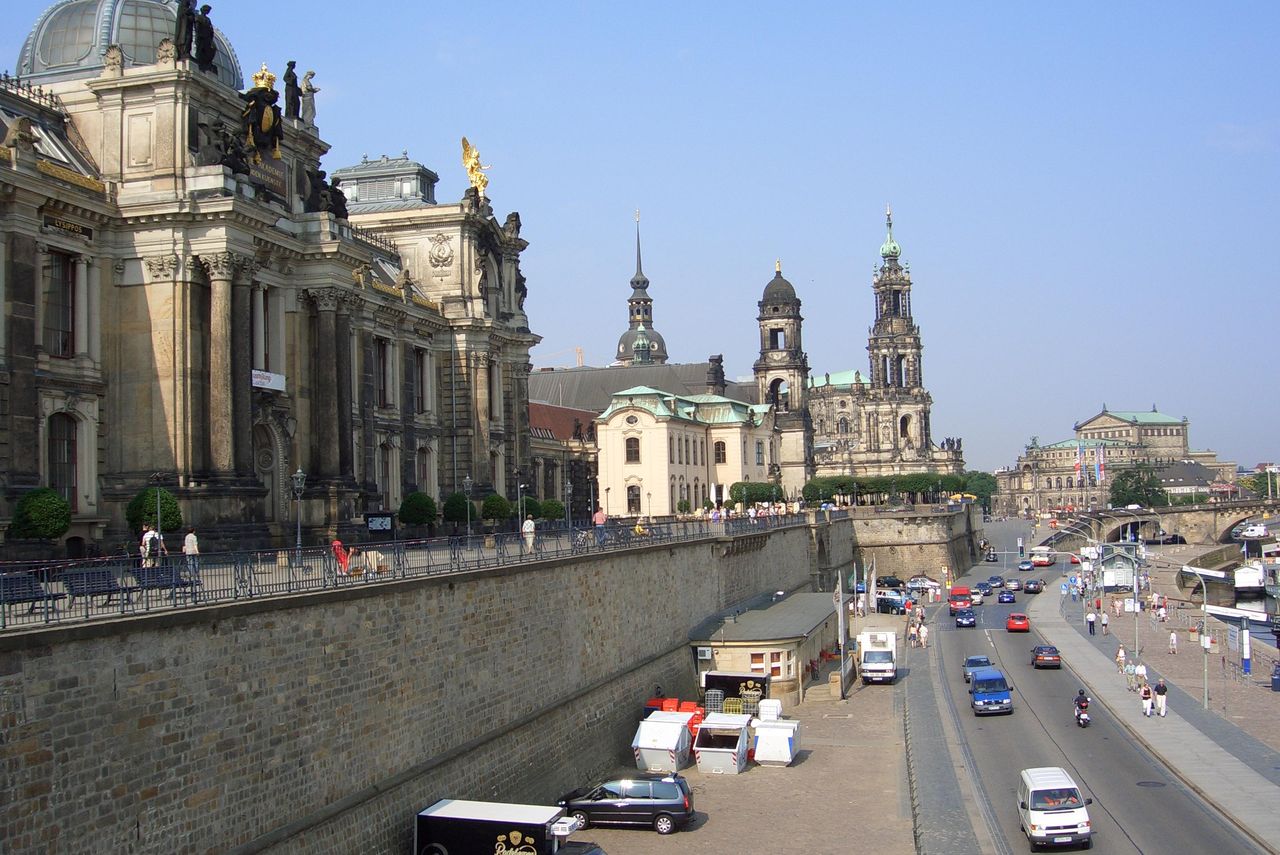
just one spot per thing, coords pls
(782, 379)
(640, 318)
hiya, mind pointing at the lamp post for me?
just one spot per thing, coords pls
(606, 500)
(519, 500)
(156, 477)
(299, 480)
(568, 504)
(1204, 633)
(467, 484)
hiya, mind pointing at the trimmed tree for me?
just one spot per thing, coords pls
(495, 508)
(143, 510)
(552, 509)
(532, 507)
(455, 508)
(418, 509)
(41, 514)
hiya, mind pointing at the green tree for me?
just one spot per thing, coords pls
(750, 492)
(42, 514)
(455, 508)
(532, 507)
(1137, 486)
(982, 485)
(418, 509)
(682, 506)
(1258, 483)
(142, 509)
(552, 509)
(495, 508)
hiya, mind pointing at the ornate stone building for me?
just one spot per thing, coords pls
(1075, 474)
(879, 425)
(782, 373)
(188, 302)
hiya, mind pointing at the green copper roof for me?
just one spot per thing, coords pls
(840, 378)
(890, 248)
(701, 409)
(1150, 417)
(1088, 443)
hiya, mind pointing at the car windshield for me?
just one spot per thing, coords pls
(990, 684)
(1062, 798)
(976, 662)
(877, 656)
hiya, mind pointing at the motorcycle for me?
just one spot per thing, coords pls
(1082, 714)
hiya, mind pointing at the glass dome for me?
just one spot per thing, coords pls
(70, 38)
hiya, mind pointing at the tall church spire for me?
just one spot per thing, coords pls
(640, 317)
(889, 249)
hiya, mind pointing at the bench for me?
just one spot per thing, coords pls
(94, 582)
(18, 588)
(166, 579)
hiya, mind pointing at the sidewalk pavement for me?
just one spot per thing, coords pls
(1245, 797)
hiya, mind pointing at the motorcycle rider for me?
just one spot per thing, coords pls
(1081, 703)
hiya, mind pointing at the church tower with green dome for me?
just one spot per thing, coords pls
(782, 379)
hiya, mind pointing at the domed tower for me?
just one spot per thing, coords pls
(782, 379)
(640, 314)
(898, 404)
(70, 40)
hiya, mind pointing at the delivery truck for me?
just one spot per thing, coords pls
(460, 827)
(877, 656)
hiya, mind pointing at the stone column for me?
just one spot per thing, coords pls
(41, 287)
(259, 332)
(324, 416)
(95, 313)
(80, 305)
(220, 267)
(4, 284)
(368, 411)
(342, 357)
(242, 368)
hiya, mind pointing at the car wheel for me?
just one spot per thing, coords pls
(663, 824)
(1088, 844)
(580, 817)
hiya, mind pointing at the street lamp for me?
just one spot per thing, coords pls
(467, 484)
(568, 504)
(156, 477)
(649, 496)
(299, 479)
(606, 500)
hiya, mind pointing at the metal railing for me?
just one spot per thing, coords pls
(33, 594)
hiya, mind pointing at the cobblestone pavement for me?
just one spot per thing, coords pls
(846, 792)
(1245, 702)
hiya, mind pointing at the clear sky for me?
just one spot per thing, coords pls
(1085, 192)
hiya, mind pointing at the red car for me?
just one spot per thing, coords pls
(1018, 622)
(956, 602)
(1075, 559)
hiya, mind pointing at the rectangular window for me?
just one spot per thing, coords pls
(757, 663)
(679, 451)
(759, 453)
(721, 456)
(62, 457)
(633, 449)
(671, 449)
(420, 381)
(381, 362)
(775, 664)
(59, 306)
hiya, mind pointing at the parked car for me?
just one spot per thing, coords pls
(973, 663)
(966, 617)
(889, 582)
(1075, 559)
(1045, 656)
(1033, 586)
(1026, 565)
(983, 588)
(922, 584)
(995, 581)
(1006, 597)
(1013, 585)
(1017, 622)
(1255, 530)
(661, 800)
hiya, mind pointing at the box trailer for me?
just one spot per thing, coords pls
(460, 827)
(662, 742)
(721, 745)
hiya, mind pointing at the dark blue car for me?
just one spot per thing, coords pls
(966, 617)
(1006, 597)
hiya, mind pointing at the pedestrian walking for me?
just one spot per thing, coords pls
(1115, 605)
(528, 530)
(1140, 674)
(1146, 695)
(1091, 619)
(1130, 677)
(1162, 614)
(1120, 658)
(1106, 622)
(1173, 642)
(924, 635)
(1161, 702)
(911, 635)
(862, 605)
(598, 519)
(191, 549)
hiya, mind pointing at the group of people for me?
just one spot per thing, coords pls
(1154, 697)
(917, 629)
(152, 548)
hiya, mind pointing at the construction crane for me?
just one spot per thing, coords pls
(576, 351)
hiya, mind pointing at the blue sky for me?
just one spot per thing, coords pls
(1084, 191)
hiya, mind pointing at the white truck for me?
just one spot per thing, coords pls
(877, 656)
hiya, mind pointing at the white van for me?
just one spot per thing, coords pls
(1051, 810)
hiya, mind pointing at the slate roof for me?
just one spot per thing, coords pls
(1186, 473)
(796, 616)
(593, 388)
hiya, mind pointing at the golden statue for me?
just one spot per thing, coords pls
(471, 162)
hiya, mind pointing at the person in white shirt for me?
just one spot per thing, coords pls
(528, 530)
(191, 549)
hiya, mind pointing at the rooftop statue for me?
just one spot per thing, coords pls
(471, 161)
(205, 48)
(263, 129)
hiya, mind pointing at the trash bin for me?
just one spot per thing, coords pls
(1275, 678)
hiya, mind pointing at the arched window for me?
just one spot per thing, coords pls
(1070, 482)
(842, 426)
(904, 428)
(422, 471)
(720, 452)
(1048, 483)
(633, 449)
(1059, 483)
(62, 457)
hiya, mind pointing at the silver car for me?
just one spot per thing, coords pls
(973, 663)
